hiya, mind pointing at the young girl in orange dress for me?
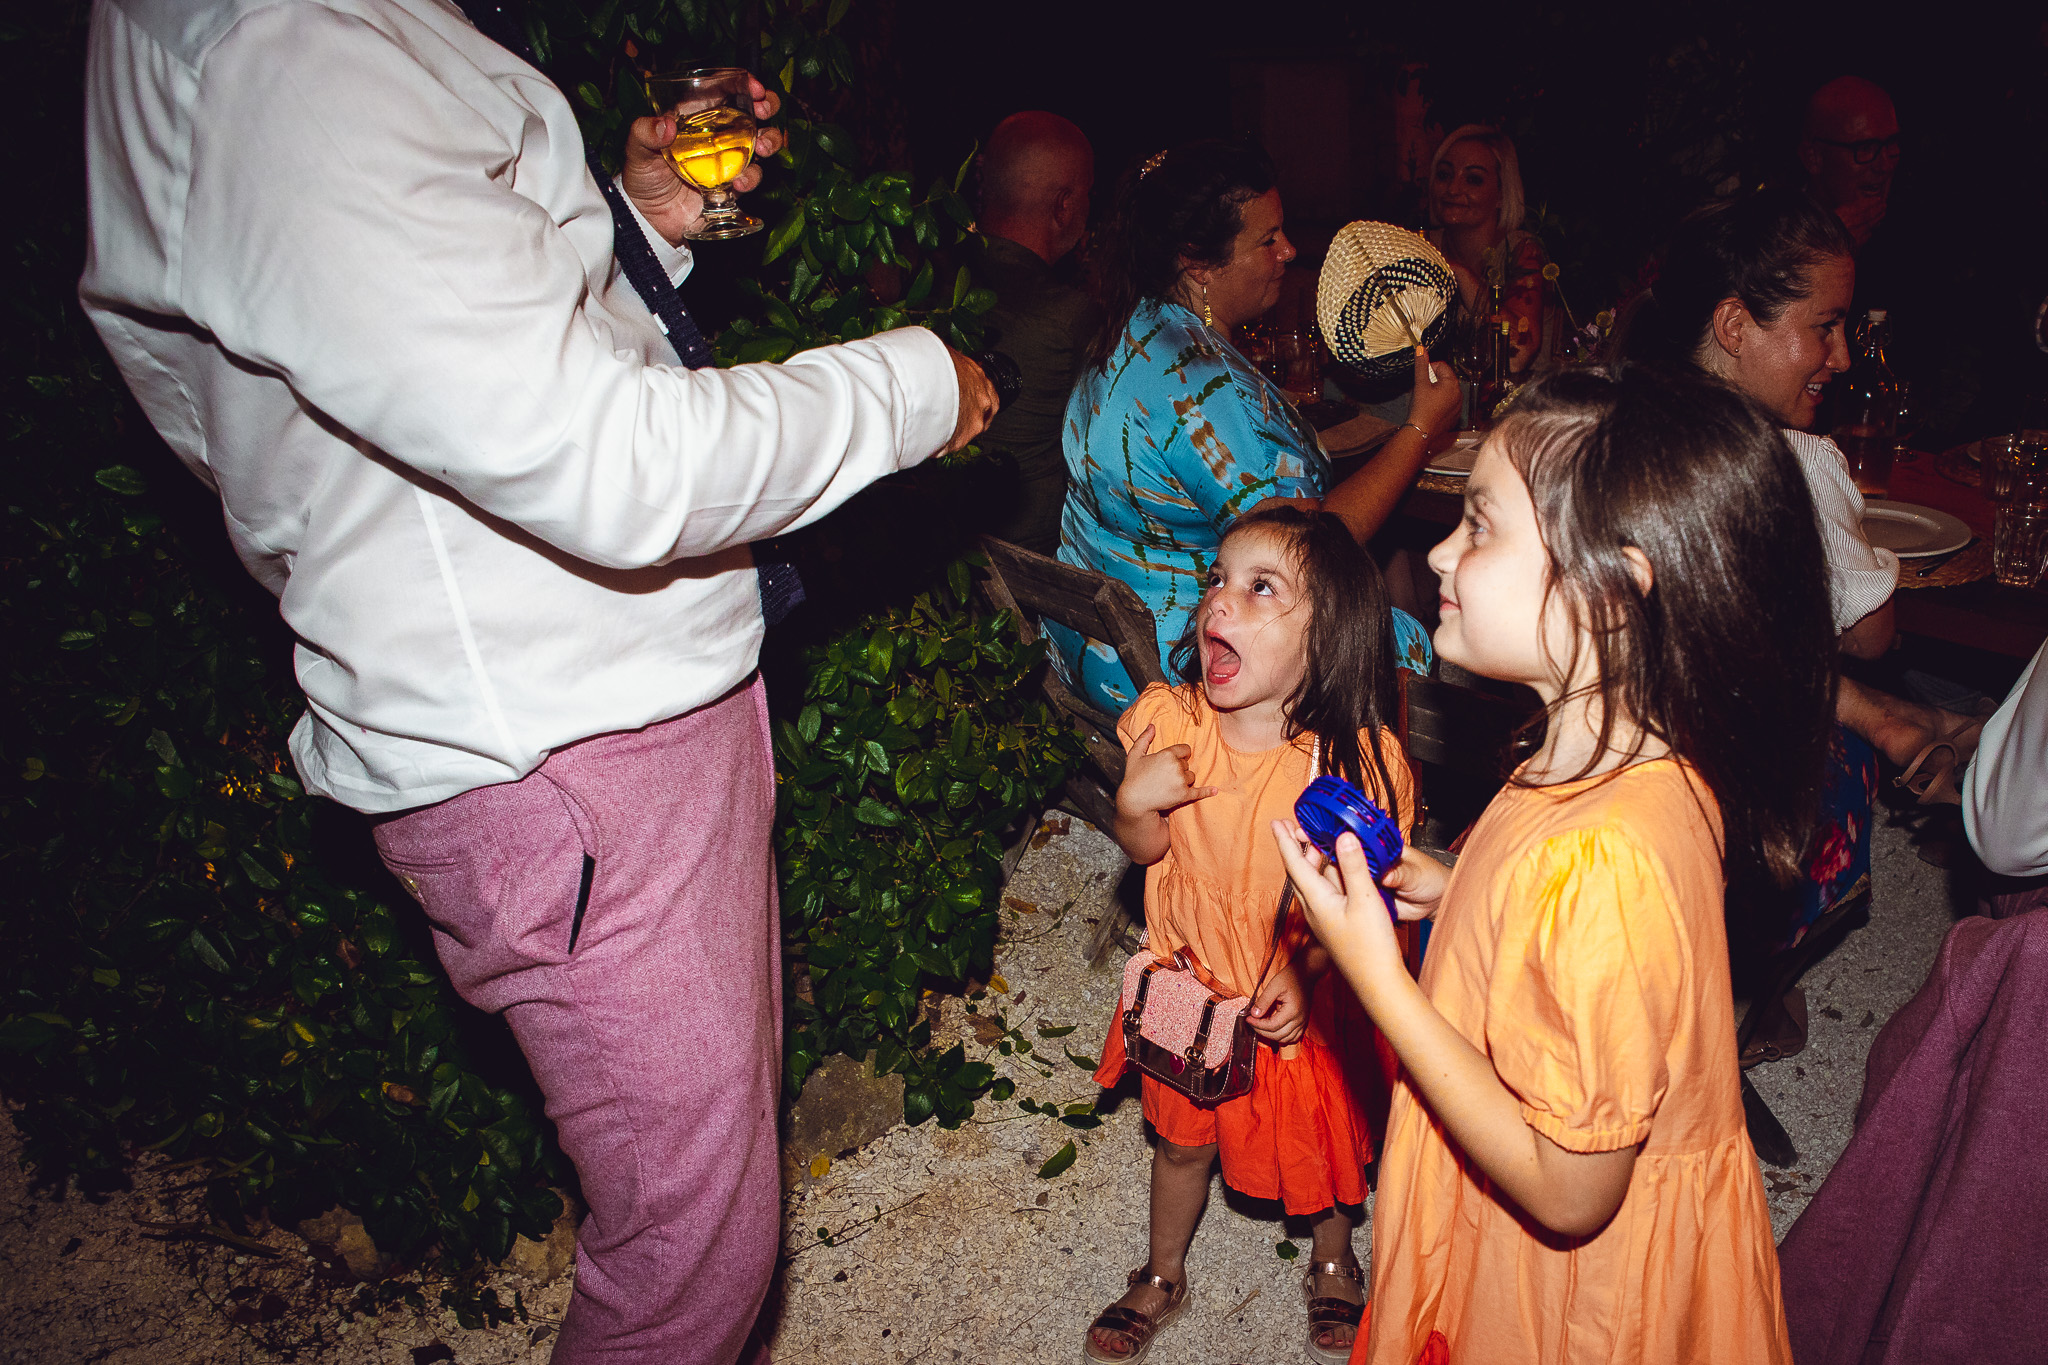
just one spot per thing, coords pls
(1567, 1176)
(1289, 654)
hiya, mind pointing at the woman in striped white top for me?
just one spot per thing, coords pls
(1756, 291)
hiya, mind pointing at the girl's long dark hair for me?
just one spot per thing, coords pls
(1348, 686)
(1188, 207)
(1729, 658)
(1760, 248)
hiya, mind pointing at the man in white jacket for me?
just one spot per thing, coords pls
(349, 257)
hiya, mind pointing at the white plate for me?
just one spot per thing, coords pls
(1911, 531)
(1460, 458)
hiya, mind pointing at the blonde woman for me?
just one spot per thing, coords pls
(1475, 219)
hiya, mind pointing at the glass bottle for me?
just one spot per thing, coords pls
(1868, 420)
(1498, 380)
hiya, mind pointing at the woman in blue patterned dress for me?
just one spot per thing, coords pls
(1172, 434)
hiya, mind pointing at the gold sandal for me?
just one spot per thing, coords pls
(1326, 1312)
(1139, 1328)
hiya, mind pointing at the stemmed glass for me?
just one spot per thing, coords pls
(714, 112)
(1908, 423)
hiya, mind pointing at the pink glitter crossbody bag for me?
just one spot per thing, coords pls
(1184, 1035)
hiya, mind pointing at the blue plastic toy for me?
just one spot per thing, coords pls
(1331, 806)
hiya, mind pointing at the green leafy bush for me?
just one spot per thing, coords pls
(920, 741)
(189, 969)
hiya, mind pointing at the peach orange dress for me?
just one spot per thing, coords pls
(1580, 946)
(1304, 1132)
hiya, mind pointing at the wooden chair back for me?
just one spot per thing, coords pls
(1034, 588)
(1458, 728)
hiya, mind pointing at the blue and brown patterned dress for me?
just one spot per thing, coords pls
(1175, 439)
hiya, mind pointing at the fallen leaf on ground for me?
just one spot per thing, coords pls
(1059, 1162)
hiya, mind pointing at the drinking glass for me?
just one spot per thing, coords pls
(1301, 374)
(1868, 449)
(1908, 423)
(2017, 474)
(714, 111)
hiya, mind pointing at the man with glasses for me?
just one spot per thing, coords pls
(1850, 148)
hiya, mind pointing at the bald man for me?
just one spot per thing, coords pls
(1850, 149)
(1035, 181)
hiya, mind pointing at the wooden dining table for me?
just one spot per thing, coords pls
(1982, 613)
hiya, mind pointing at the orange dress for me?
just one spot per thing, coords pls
(1580, 945)
(1304, 1133)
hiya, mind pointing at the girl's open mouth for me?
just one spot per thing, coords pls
(1222, 663)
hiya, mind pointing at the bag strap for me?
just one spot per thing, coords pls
(1315, 760)
(1199, 1047)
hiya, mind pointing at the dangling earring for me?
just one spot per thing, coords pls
(1208, 318)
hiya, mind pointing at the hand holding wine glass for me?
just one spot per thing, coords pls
(673, 204)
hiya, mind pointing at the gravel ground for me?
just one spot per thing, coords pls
(939, 1246)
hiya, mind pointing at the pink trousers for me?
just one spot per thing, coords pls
(618, 906)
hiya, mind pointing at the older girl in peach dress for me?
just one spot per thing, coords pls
(1567, 1175)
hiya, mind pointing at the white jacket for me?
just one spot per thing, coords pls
(2005, 793)
(348, 255)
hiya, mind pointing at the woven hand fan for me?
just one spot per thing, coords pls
(1383, 289)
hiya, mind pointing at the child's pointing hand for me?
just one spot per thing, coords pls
(1157, 782)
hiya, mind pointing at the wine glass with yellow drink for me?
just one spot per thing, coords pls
(714, 113)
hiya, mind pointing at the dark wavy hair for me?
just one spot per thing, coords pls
(1729, 658)
(1348, 686)
(1189, 207)
(1760, 248)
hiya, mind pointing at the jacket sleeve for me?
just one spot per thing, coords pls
(354, 224)
(2005, 793)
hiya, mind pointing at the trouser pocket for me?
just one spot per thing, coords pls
(582, 900)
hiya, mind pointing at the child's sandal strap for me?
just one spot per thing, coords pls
(1143, 1275)
(1354, 1271)
(1129, 1321)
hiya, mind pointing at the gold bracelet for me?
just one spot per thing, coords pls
(1425, 433)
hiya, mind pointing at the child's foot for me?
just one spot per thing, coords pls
(1335, 1291)
(1123, 1332)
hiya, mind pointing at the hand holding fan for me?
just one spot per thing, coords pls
(1383, 292)
(1330, 807)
